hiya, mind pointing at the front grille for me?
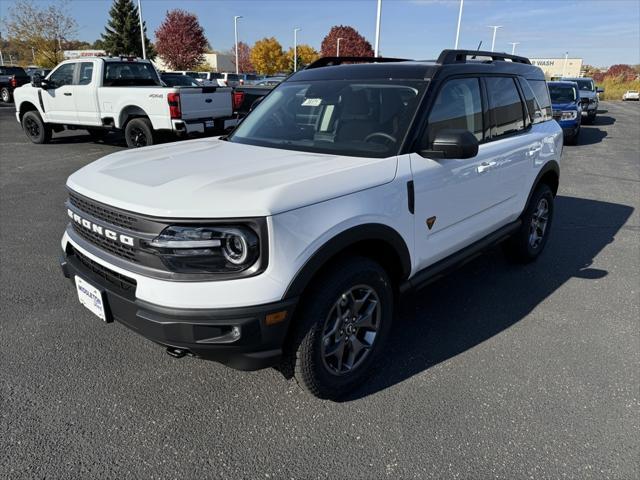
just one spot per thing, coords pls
(105, 214)
(123, 282)
(116, 248)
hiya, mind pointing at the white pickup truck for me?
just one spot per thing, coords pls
(104, 93)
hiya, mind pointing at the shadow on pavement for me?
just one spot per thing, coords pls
(489, 295)
(591, 135)
(604, 120)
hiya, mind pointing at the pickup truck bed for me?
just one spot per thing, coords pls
(246, 95)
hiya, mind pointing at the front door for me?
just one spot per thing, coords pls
(59, 103)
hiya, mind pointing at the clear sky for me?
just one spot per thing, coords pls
(602, 32)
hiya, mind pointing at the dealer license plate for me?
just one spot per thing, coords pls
(208, 124)
(91, 298)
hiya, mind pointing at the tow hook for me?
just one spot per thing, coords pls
(176, 352)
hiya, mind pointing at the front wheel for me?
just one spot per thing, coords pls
(344, 322)
(139, 133)
(529, 241)
(6, 96)
(34, 127)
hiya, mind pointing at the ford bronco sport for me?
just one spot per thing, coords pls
(290, 241)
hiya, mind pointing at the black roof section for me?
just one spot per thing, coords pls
(452, 61)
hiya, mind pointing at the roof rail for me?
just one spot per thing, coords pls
(460, 56)
(331, 61)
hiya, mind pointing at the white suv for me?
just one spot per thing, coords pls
(290, 241)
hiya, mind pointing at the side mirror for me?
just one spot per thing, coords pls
(453, 143)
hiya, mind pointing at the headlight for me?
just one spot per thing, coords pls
(207, 249)
(569, 115)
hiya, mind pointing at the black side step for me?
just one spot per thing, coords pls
(452, 262)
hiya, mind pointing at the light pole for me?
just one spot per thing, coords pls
(513, 47)
(1, 59)
(564, 68)
(338, 48)
(295, 49)
(377, 47)
(495, 29)
(33, 54)
(459, 20)
(144, 47)
(235, 31)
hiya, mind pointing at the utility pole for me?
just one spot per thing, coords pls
(459, 21)
(235, 31)
(338, 48)
(144, 47)
(564, 68)
(295, 49)
(1, 59)
(513, 47)
(33, 54)
(495, 29)
(377, 48)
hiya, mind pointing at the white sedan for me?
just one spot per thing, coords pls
(631, 95)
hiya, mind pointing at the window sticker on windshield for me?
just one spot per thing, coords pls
(312, 102)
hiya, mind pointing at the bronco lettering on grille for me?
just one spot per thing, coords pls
(105, 232)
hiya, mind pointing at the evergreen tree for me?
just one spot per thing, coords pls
(122, 33)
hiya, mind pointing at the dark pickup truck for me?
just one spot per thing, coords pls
(245, 96)
(10, 79)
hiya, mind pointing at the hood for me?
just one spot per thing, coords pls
(564, 106)
(211, 178)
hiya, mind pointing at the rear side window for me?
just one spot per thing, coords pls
(86, 73)
(541, 91)
(458, 106)
(130, 74)
(505, 106)
(13, 71)
(536, 113)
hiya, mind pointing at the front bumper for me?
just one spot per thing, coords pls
(203, 333)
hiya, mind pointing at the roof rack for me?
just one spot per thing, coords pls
(460, 56)
(331, 61)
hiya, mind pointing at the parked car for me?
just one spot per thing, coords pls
(200, 77)
(211, 78)
(588, 97)
(104, 93)
(178, 80)
(270, 81)
(250, 79)
(10, 79)
(246, 96)
(631, 95)
(231, 79)
(290, 241)
(567, 109)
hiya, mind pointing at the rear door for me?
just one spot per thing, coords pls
(58, 101)
(85, 94)
(205, 103)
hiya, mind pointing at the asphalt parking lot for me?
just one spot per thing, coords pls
(500, 371)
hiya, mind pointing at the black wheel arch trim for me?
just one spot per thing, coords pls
(341, 242)
(550, 166)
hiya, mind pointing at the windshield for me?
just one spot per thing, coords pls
(586, 85)
(130, 74)
(562, 93)
(341, 117)
(179, 81)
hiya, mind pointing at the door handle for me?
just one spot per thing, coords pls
(209, 100)
(67, 94)
(486, 166)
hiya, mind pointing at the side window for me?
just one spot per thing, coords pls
(505, 106)
(86, 73)
(63, 75)
(542, 95)
(536, 115)
(458, 106)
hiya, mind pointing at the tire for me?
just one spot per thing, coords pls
(139, 133)
(324, 346)
(97, 134)
(528, 242)
(6, 95)
(36, 130)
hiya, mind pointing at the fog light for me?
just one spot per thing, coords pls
(235, 333)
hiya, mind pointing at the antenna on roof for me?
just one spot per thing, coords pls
(477, 50)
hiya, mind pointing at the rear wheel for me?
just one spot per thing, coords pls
(529, 241)
(139, 133)
(344, 322)
(36, 130)
(6, 96)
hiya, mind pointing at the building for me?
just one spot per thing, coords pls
(558, 67)
(69, 54)
(218, 62)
